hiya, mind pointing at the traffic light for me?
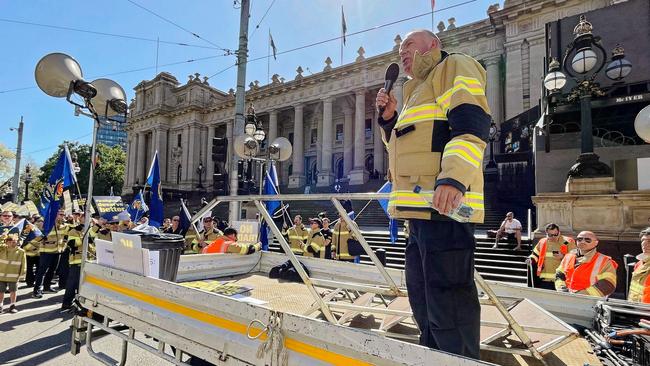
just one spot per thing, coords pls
(219, 149)
(220, 184)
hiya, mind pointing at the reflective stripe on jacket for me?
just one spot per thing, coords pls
(340, 236)
(13, 263)
(439, 136)
(584, 277)
(541, 254)
(640, 283)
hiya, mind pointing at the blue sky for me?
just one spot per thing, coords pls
(293, 23)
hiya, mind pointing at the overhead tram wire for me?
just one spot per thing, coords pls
(127, 71)
(281, 52)
(261, 20)
(124, 36)
(178, 26)
(357, 32)
(56, 146)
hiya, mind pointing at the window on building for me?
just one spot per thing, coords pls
(368, 129)
(178, 140)
(314, 136)
(339, 133)
(291, 137)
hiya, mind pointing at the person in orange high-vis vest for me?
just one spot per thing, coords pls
(640, 284)
(547, 255)
(228, 244)
(586, 271)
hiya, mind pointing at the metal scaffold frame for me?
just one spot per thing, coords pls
(363, 302)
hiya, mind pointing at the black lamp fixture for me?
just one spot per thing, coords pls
(28, 179)
(584, 58)
(493, 134)
(59, 75)
(200, 170)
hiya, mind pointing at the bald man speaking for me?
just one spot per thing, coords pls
(435, 150)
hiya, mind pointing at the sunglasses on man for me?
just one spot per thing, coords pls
(586, 240)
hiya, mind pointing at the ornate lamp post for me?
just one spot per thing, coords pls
(200, 170)
(28, 179)
(583, 60)
(492, 137)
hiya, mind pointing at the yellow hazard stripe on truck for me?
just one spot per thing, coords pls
(230, 325)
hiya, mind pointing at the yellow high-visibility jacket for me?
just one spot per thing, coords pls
(297, 236)
(209, 236)
(317, 243)
(54, 241)
(340, 235)
(439, 136)
(13, 263)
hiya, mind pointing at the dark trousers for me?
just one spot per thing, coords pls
(441, 288)
(72, 284)
(63, 268)
(47, 264)
(32, 266)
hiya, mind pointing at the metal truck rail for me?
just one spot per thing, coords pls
(317, 326)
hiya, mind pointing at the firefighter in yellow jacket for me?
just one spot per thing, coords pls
(31, 248)
(316, 245)
(340, 236)
(435, 152)
(547, 255)
(74, 241)
(640, 283)
(296, 235)
(51, 248)
(206, 236)
(12, 267)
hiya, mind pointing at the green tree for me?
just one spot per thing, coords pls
(109, 171)
(6, 168)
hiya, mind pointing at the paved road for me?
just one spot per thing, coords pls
(40, 335)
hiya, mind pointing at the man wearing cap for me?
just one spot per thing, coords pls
(12, 267)
(206, 236)
(316, 245)
(296, 235)
(227, 243)
(51, 248)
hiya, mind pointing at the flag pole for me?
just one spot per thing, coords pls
(268, 59)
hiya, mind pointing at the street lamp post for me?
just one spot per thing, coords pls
(584, 58)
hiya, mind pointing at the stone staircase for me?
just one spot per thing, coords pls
(503, 264)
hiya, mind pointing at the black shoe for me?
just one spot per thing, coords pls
(12, 309)
(30, 284)
(37, 294)
(66, 307)
(50, 291)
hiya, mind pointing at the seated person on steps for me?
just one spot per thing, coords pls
(510, 228)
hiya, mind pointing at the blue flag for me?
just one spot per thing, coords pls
(138, 207)
(26, 229)
(62, 177)
(185, 219)
(156, 214)
(270, 188)
(392, 223)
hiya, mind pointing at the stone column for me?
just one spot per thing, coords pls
(209, 163)
(325, 177)
(514, 95)
(273, 127)
(186, 154)
(493, 89)
(193, 156)
(358, 175)
(348, 140)
(141, 159)
(297, 178)
(129, 167)
(160, 142)
(377, 146)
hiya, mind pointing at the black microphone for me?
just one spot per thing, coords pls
(392, 72)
